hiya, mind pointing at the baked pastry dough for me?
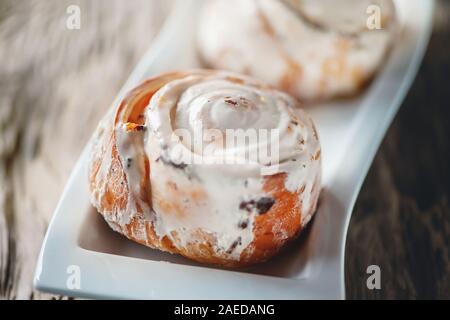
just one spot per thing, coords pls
(313, 49)
(156, 188)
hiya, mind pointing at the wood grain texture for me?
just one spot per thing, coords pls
(401, 221)
(55, 84)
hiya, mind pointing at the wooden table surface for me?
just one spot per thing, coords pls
(56, 83)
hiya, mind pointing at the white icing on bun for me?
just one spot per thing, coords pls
(212, 204)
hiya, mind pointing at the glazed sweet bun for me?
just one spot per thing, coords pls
(313, 49)
(165, 173)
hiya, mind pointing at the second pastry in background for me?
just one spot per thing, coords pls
(313, 49)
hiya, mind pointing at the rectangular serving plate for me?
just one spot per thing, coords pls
(79, 244)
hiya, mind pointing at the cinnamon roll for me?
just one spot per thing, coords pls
(313, 49)
(215, 166)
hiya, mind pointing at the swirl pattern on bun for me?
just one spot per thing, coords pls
(216, 166)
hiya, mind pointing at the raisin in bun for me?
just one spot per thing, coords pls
(209, 204)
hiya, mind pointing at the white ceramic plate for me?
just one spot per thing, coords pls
(78, 242)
